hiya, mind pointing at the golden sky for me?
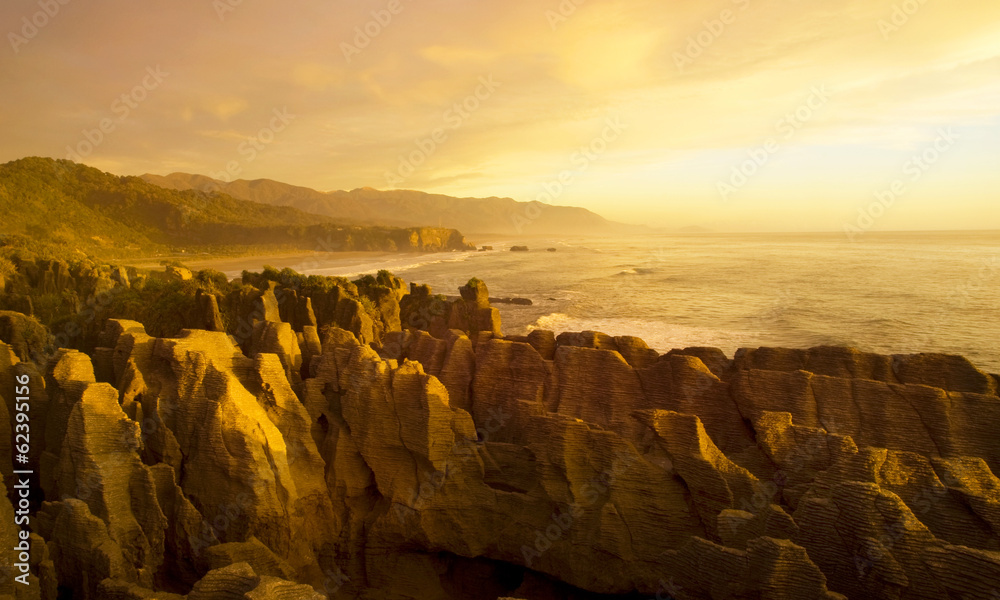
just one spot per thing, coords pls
(732, 114)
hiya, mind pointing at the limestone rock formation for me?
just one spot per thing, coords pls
(353, 441)
(210, 317)
(26, 337)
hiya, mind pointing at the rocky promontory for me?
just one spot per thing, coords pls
(288, 437)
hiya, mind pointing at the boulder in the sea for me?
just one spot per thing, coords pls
(476, 292)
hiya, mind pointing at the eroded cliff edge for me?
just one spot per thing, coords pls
(329, 453)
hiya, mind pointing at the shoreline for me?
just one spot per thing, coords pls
(305, 260)
(343, 264)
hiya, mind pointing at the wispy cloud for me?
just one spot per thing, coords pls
(561, 77)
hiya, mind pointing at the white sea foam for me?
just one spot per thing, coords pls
(660, 336)
(394, 265)
(924, 293)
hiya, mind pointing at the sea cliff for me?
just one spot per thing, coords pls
(304, 438)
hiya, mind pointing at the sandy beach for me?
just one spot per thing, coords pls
(301, 262)
(345, 264)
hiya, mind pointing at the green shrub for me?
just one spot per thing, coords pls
(7, 268)
(270, 273)
(369, 305)
(386, 278)
(365, 281)
(212, 281)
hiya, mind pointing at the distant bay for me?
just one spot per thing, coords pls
(887, 293)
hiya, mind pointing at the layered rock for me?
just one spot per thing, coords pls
(750, 509)
(411, 451)
(26, 337)
(471, 313)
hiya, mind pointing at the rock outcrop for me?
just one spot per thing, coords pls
(401, 447)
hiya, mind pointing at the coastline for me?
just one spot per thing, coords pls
(309, 261)
(797, 420)
(344, 264)
(299, 261)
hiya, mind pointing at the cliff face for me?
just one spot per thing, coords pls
(326, 455)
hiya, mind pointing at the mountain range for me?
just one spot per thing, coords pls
(62, 206)
(408, 208)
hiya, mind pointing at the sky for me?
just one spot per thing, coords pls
(765, 115)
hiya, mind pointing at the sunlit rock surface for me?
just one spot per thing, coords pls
(420, 454)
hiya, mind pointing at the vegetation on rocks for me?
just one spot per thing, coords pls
(73, 299)
(58, 208)
(453, 463)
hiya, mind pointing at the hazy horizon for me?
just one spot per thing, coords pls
(861, 116)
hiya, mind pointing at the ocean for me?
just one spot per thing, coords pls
(886, 293)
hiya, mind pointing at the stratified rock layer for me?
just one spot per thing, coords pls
(330, 453)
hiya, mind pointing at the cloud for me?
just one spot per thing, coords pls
(316, 77)
(225, 107)
(743, 71)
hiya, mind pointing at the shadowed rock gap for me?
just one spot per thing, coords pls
(358, 440)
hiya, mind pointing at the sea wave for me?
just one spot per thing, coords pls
(394, 265)
(659, 335)
(637, 271)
